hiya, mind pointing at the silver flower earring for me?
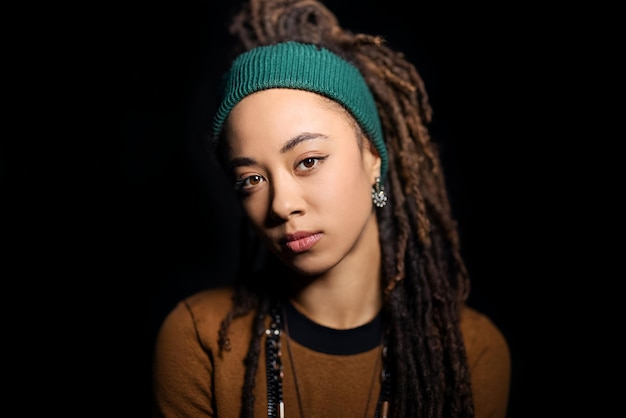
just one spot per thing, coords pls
(378, 194)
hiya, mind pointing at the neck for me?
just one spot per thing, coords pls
(348, 295)
(339, 307)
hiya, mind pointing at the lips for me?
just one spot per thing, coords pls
(301, 241)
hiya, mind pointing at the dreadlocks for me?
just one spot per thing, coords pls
(425, 281)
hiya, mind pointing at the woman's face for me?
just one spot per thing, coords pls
(304, 177)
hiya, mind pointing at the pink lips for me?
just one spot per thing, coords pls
(301, 241)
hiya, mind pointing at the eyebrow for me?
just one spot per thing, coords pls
(289, 145)
(305, 136)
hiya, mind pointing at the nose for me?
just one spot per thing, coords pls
(286, 198)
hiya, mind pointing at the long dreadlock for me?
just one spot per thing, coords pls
(425, 280)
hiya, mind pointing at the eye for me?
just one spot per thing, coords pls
(248, 182)
(309, 163)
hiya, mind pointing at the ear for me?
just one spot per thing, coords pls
(371, 161)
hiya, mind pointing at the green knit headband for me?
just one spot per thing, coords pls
(304, 67)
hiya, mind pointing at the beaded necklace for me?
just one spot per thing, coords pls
(275, 375)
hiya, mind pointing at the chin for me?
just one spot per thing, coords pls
(308, 266)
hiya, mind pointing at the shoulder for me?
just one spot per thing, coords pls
(198, 317)
(205, 305)
(480, 332)
(484, 342)
(489, 361)
(209, 303)
(186, 354)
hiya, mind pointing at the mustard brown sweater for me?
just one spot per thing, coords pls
(193, 379)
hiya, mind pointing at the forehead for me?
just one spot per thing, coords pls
(281, 111)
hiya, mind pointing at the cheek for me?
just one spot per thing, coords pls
(348, 192)
(255, 209)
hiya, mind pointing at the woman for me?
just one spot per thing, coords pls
(353, 301)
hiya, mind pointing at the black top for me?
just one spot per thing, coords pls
(333, 341)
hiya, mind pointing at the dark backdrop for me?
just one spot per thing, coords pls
(116, 211)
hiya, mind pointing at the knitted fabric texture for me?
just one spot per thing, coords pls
(303, 67)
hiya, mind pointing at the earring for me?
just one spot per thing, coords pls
(378, 194)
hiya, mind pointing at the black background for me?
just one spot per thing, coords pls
(115, 210)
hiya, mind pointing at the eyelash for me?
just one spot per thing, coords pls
(241, 185)
(317, 160)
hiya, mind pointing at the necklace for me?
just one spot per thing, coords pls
(275, 375)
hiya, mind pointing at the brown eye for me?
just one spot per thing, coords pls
(248, 182)
(309, 162)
